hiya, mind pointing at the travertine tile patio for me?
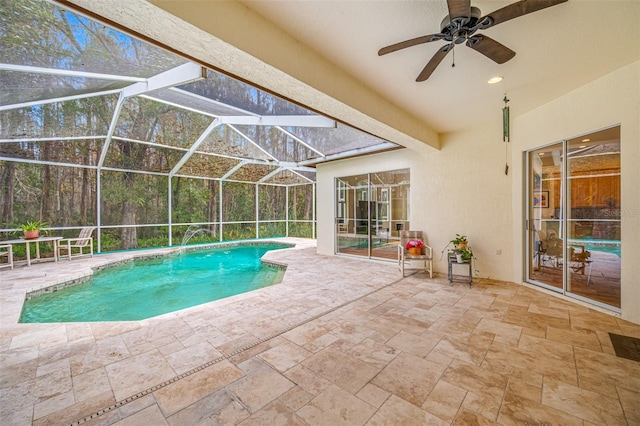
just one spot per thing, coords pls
(339, 341)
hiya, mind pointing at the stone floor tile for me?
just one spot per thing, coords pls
(274, 414)
(583, 338)
(336, 407)
(77, 411)
(191, 357)
(630, 404)
(415, 345)
(284, 356)
(397, 411)
(409, 377)
(445, 400)
(606, 368)
(137, 373)
(374, 353)
(582, 403)
(346, 371)
(295, 398)
(522, 405)
(507, 334)
(151, 416)
(373, 395)
(260, 385)
(62, 364)
(182, 393)
(307, 379)
(462, 349)
(105, 351)
(217, 408)
(53, 404)
(91, 384)
(533, 361)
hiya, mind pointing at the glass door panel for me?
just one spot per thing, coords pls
(352, 215)
(545, 216)
(593, 216)
(390, 193)
(574, 217)
(371, 210)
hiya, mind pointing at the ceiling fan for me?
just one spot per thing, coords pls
(460, 26)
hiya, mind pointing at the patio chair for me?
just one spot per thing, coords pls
(75, 247)
(7, 250)
(406, 260)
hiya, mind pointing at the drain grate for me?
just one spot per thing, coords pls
(626, 346)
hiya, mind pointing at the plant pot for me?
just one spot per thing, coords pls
(459, 258)
(415, 251)
(31, 235)
(462, 245)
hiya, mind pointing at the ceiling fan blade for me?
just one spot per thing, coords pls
(459, 8)
(520, 8)
(409, 43)
(491, 48)
(434, 62)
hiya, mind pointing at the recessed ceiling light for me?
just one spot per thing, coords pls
(582, 146)
(586, 140)
(496, 79)
(542, 153)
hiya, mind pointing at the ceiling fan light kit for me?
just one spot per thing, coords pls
(460, 26)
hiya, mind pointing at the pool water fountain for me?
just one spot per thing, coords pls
(191, 232)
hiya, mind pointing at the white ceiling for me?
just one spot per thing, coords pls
(558, 49)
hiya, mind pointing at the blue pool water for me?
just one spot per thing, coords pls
(606, 246)
(146, 288)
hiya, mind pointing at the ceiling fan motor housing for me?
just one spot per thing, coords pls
(459, 28)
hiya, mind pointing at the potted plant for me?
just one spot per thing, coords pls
(415, 247)
(464, 255)
(459, 242)
(32, 229)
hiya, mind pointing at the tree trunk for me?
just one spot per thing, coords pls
(8, 185)
(128, 236)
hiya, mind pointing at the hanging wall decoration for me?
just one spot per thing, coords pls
(505, 133)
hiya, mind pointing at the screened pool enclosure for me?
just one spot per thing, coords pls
(100, 128)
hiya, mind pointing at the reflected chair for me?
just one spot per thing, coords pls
(7, 250)
(579, 260)
(406, 260)
(549, 251)
(75, 247)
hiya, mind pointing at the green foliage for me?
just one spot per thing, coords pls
(272, 229)
(33, 225)
(301, 230)
(459, 239)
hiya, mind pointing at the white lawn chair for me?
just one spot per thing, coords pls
(7, 250)
(75, 247)
(406, 260)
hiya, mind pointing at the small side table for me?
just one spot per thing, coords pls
(466, 263)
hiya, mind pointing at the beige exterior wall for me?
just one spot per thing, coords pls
(610, 100)
(463, 188)
(460, 189)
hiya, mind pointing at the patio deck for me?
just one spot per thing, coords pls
(339, 341)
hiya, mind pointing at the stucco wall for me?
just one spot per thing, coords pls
(610, 100)
(463, 189)
(460, 189)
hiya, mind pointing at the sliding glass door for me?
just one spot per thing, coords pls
(573, 217)
(371, 209)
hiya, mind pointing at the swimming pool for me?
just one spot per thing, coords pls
(146, 288)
